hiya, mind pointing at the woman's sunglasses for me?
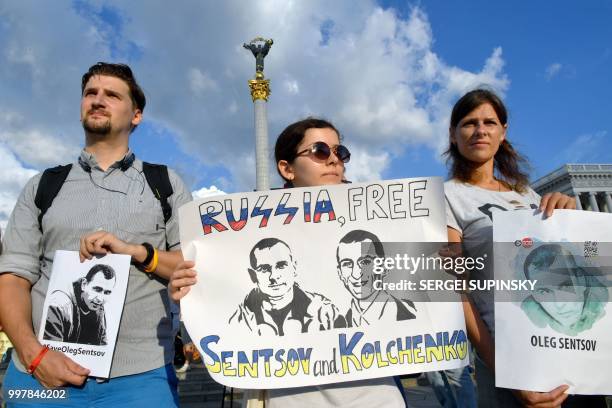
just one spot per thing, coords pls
(322, 151)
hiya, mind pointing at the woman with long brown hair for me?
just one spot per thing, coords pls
(489, 175)
(308, 153)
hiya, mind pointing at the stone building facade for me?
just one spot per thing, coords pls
(591, 184)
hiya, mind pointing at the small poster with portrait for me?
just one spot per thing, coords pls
(558, 331)
(296, 287)
(83, 308)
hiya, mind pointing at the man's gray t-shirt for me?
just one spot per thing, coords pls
(122, 203)
(470, 210)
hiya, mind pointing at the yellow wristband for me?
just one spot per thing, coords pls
(150, 268)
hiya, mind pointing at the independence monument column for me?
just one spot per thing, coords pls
(260, 90)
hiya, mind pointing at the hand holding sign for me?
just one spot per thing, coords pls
(533, 399)
(558, 200)
(181, 280)
(57, 370)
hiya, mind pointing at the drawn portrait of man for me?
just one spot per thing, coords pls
(277, 305)
(355, 268)
(565, 297)
(77, 316)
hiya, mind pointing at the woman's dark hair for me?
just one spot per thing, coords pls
(289, 139)
(510, 165)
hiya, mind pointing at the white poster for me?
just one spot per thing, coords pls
(290, 291)
(83, 308)
(559, 331)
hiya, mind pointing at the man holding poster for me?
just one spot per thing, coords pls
(107, 201)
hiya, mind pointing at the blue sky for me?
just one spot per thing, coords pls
(557, 58)
(386, 73)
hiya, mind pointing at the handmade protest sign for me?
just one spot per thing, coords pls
(559, 332)
(287, 294)
(83, 306)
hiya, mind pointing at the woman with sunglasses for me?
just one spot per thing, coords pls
(308, 153)
(486, 177)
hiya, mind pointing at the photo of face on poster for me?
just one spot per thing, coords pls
(278, 304)
(567, 297)
(560, 326)
(83, 307)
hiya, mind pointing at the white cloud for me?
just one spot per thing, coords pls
(233, 107)
(41, 64)
(36, 148)
(365, 166)
(552, 70)
(23, 56)
(376, 76)
(291, 86)
(586, 148)
(207, 192)
(39, 149)
(243, 172)
(418, 29)
(370, 71)
(199, 81)
(13, 176)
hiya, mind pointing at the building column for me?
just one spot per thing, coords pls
(261, 146)
(593, 202)
(608, 201)
(578, 203)
(260, 91)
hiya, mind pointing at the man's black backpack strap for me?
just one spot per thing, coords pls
(50, 184)
(158, 180)
(52, 180)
